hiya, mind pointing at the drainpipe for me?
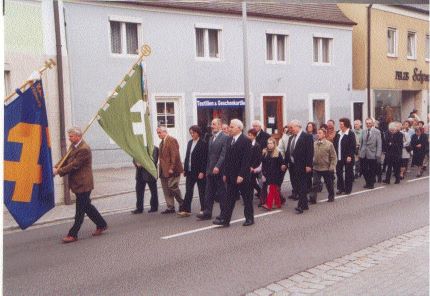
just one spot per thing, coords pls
(247, 116)
(63, 143)
(369, 8)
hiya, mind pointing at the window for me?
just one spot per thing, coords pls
(207, 43)
(318, 111)
(412, 45)
(276, 48)
(427, 48)
(322, 50)
(124, 37)
(166, 114)
(392, 42)
(7, 87)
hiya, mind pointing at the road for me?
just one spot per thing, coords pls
(137, 257)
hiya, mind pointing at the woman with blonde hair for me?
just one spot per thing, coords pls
(272, 173)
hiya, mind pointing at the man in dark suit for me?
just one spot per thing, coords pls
(262, 136)
(77, 167)
(143, 177)
(299, 159)
(237, 175)
(215, 188)
(194, 170)
(345, 144)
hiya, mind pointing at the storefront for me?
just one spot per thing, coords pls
(224, 108)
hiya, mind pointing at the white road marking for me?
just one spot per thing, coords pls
(215, 226)
(417, 179)
(354, 193)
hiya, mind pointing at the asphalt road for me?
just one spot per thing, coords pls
(133, 259)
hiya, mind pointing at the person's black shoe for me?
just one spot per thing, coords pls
(330, 199)
(370, 187)
(313, 201)
(136, 211)
(299, 210)
(348, 192)
(221, 223)
(386, 181)
(379, 179)
(260, 205)
(397, 181)
(204, 217)
(248, 223)
(305, 208)
(339, 192)
(153, 210)
(293, 197)
(366, 186)
(168, 211)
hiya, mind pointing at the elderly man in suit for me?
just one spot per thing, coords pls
(345, 146)
(77, 167)
(215, 189)
(370, 152)
(299, 160)
(170, 169)
(237, 175)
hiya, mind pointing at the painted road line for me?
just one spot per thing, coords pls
(216, 226)
(417, 179)
(354, 193)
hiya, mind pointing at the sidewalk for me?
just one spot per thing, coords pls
(114, 192)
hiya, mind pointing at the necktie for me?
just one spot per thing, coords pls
(368, 135)
(293, 144)
(234, 141)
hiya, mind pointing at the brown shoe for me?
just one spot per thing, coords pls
(99, 231)
(69, 239)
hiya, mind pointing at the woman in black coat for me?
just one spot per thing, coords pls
(255, 161)
(419, 144)
(393, 153)
(272, 173)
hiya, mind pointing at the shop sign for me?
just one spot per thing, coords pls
(220, 103)
(418, 76)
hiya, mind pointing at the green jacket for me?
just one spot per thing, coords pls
(325, 157)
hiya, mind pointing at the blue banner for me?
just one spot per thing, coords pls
(28, 179)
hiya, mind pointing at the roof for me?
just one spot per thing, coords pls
(423, 8)
(327, 13)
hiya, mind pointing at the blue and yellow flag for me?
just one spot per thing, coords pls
(28, 179)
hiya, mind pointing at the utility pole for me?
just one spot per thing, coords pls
(247, 116)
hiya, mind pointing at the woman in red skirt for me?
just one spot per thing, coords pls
(272, 173)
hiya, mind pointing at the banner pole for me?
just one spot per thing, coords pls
(143, 52)
(48, 65)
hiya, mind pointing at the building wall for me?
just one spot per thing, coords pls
(174, 71)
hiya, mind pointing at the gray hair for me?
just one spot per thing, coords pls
(371, 119)
(217, 120)
(162, 128)
(237, 123)
(75, 130)
(256, 122)
(357, 121)
(394, 125)
(295, 122)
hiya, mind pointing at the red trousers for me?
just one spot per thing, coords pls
(274, 195)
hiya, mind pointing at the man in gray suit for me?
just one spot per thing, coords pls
(370, 152)
(215, 187)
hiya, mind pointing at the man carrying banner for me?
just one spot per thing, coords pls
(78, 168)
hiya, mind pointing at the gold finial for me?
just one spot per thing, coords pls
(145, 50)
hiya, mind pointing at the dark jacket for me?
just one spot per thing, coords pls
(271, 169)
(347, 145)
(237, 160)
(216, 153)
(394, 143)
(262, 138)
(255, 159)
(419, 153)
(303, 153)
(199, 159)
(141, 173)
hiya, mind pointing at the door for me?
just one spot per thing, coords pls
(357, 111)
(168, 114)
(272, 116)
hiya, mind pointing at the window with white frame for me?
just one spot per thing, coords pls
(392, 42)
(208, 43)
(412, 45)
(322, 50)
(166, 114)
(318, 111)
(7, 86)
(124, 37)
(427, 48)
(276, 48)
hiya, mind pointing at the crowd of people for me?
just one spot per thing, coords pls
(231, 164)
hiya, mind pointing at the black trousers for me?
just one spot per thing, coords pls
(255, 185)
(215, 190)
(329, 183)
(301, 180)
(345, 185)
(393, 164)
(190, 182)
(84, 206)
(140, 193)
(369, 169)
(233, 192)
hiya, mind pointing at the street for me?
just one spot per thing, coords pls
(153, 254)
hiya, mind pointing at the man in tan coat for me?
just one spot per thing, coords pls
(170, 169)
(78, 168)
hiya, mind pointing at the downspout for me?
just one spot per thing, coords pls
(63, 143)
(369, 8)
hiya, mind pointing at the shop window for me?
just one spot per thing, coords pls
(318, 112)
(322, 50)
(124, 37)
(276, 48)
(387, 107)
(412, 45)
(392, 42)
(427, 48)
(207, 43)
(166, 114)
